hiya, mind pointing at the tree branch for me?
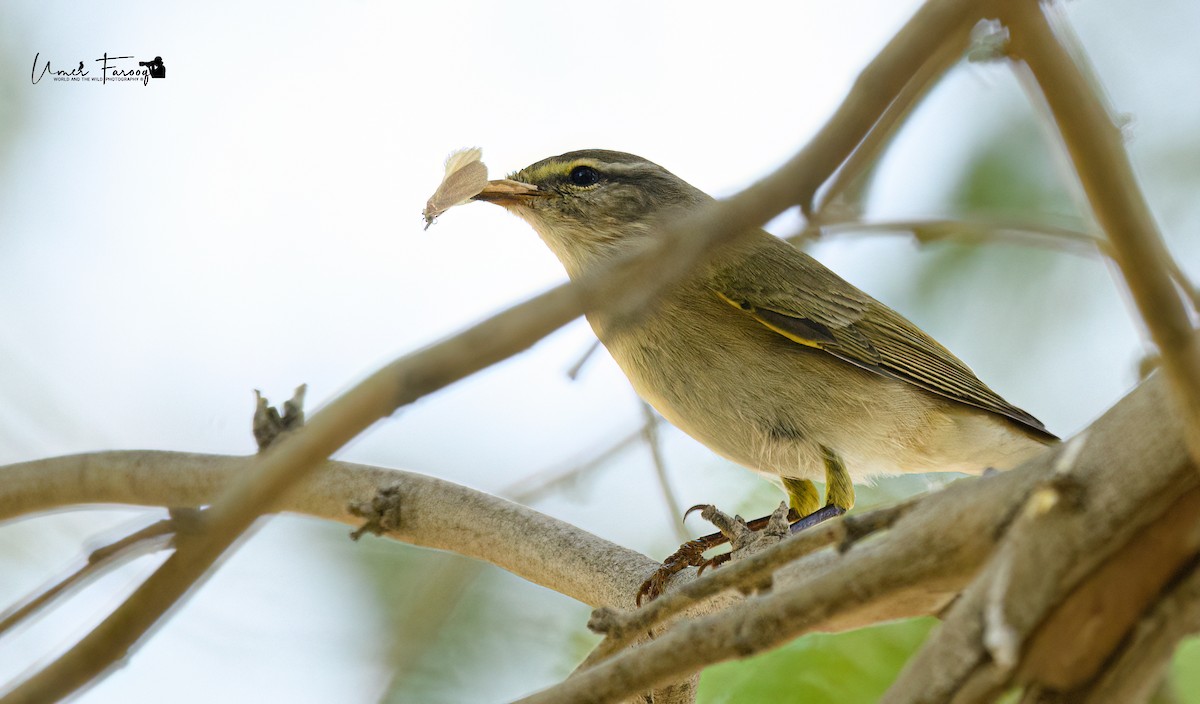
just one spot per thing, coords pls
(154, 537)
(925, 559)
(436, 513)
(1136, 674)
(936, 24)
(947, 52)
(973, 231)
(623, 627)
(1087, 520)
(624, 287)
(653, 444)
(1097, 150)
(915, 568)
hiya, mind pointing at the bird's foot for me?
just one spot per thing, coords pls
(690, 554)
(745, 538)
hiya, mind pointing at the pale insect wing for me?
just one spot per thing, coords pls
(461, 158)
(464, 184)
(465, 177)
(458, 187)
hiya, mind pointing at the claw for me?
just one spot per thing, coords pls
(714, 562)
(690, 554)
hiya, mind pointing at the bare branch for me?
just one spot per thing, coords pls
(1077, 536)
(1136, 674)
(623, 627)
(931, 552)
(854, 172)
(536, 485)
(574, 370)
(437, 513)
(623, 288)
(936, 24)
(152, 538)
(973, 231)
(1095, 145)
(652, 438)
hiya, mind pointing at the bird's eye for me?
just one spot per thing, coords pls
(584, 176)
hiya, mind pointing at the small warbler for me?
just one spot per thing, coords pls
(765, 355)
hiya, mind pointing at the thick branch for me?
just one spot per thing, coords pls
(931, 552)
(1090, 513)
(929, 555)
(435, 513)
(621, 628)
(1137, 672)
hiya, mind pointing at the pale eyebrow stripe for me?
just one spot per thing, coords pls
(612, 168)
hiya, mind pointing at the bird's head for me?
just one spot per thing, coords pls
(587, 204)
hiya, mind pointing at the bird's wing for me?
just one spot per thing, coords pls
(819, 309)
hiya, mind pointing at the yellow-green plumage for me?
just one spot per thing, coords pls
(765, 355)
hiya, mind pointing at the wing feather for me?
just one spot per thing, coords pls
(797, 297)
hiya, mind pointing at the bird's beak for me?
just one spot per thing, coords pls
(507, 192)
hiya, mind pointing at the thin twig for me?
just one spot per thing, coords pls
(992, 231)
(144, 541)
(574, 369)
(972, 231)
(652, 437)
(857, 167)
(533, 487)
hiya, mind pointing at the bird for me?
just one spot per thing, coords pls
(763, 354)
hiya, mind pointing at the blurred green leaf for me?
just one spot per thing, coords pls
(1185, 672)
(1011, 176)
(846, 668)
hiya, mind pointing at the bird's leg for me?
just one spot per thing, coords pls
(691, 553)
(805, 511)
(839, 493)
(839, 490)
(806, 502)
(803, 496)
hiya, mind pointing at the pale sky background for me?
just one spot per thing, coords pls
(253, 221)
